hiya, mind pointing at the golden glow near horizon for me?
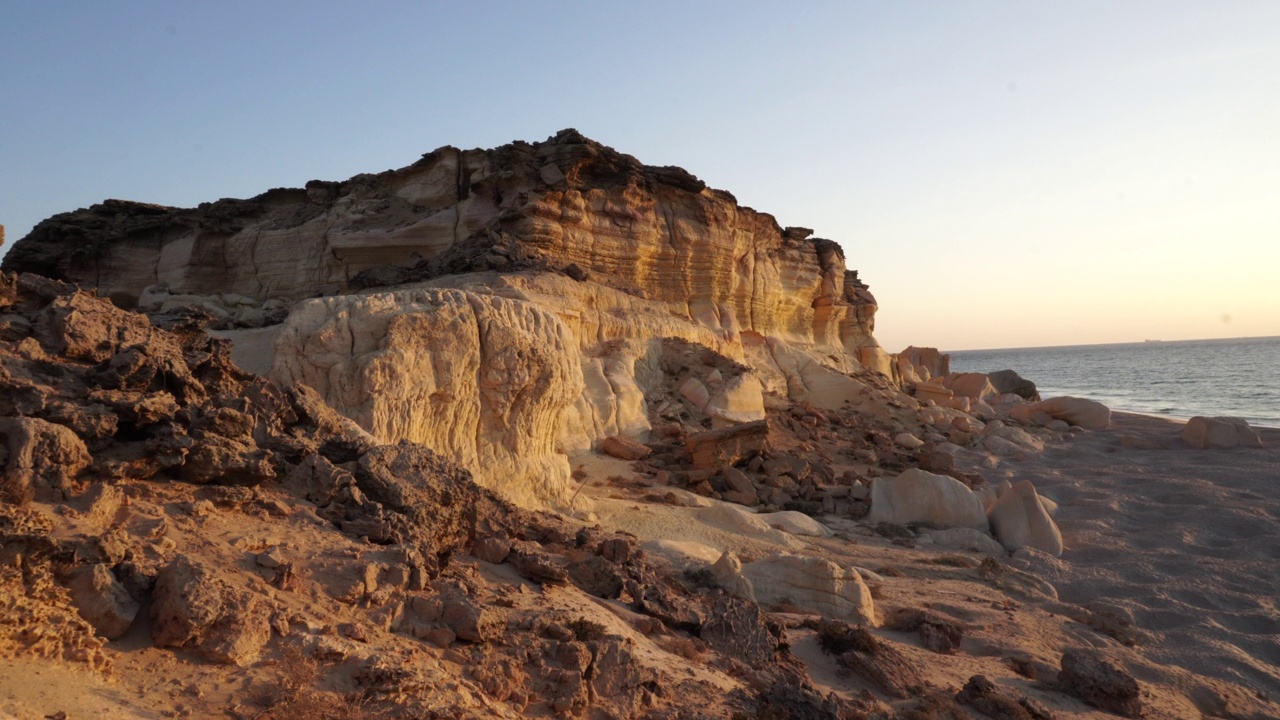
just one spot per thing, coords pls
(1002, 173)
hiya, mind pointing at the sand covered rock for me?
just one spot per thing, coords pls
(1219, 432)
(917, 496)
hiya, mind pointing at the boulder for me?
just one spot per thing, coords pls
(1019, 519)
(1099, 681)
(185, 603)
(815, 584)
(974, 386)
(43, 459)
(102, 600)
(716, 449)
(1219, 432)
(624, 449)
(483, 380)
(933, 391)
(239, 635)
(471, 621)
(927, 362)
(740, 400)
(907, 440)
(1008, 381)
(695, 392)
(727, 572)
(431, 500)
(1087, 414)
(917, 496)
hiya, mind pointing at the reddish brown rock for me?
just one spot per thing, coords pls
(624, 449)
(102, 600)
(42, 459)
(717, 449)
(1100, 682)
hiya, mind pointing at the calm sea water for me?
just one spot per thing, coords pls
(1239, 378)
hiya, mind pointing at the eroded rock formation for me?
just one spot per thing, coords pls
(547, 290)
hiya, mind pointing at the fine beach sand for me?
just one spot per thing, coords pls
(1187, 540)
(1184, 543)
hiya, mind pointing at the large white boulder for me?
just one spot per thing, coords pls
(741, 400)
(1019, 519)
(482, 379)
(1219, 432)
(917, 496)
(814, 584)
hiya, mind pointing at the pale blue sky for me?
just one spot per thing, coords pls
(1002, 174)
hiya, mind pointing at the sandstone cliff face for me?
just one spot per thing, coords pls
(541, 288)
(657, 233)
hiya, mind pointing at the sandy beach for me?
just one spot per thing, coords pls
(1169, 569)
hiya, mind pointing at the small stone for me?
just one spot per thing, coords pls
(908, 441)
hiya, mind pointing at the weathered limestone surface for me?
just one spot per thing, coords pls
(480, 378)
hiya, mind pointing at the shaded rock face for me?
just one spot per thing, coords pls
(657, 232)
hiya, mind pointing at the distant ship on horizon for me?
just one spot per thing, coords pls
(1153, 341)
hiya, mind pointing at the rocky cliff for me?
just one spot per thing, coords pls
(540, 287)
(654, 232)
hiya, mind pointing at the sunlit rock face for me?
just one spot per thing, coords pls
(479, 378)
(658, 233)
(507, 307)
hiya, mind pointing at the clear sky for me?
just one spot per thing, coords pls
(1001, 173)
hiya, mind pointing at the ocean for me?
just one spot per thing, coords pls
(1238, 378)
